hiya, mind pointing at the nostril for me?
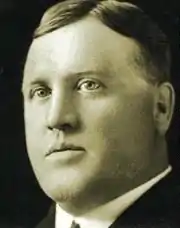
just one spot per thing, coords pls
(50, 128)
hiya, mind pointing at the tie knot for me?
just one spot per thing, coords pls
(75, 225)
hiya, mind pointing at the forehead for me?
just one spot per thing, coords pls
(84, 45)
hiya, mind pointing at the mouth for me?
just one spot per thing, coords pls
(63, 148)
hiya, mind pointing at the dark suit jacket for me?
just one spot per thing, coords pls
(5, 224)
(157, 208)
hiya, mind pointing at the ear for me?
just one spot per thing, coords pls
(164, 106)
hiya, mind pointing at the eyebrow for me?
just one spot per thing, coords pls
(85, 73)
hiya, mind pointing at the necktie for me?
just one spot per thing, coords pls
(75, 225)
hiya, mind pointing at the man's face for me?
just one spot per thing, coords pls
(88, 112)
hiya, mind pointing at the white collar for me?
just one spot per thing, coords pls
(104, 215)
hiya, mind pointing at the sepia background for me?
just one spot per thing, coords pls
(21, 200)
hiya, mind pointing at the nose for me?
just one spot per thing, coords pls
(62, 114)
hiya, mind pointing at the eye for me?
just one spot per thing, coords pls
(41, 92)
(88, 85)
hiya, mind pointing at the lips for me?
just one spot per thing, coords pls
(63, 148)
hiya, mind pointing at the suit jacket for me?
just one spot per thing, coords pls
(5, 224)
(157, 208)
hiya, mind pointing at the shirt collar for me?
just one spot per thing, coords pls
(104, 215)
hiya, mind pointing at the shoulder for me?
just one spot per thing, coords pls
(159, 207)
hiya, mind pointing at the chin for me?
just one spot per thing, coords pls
(62, 193)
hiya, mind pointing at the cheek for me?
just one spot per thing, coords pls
(102, 131)
(34, 116)
(34, 131)
(114, 124)
(35, 144)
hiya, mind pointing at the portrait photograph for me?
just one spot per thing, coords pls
(90, 114)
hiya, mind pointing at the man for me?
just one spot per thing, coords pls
(97, 105)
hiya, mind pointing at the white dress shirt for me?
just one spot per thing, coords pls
(104, 215)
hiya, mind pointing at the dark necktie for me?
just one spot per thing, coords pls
(75, 225)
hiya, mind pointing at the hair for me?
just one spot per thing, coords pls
(124, 18)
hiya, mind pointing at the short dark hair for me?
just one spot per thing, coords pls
(122, 17)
